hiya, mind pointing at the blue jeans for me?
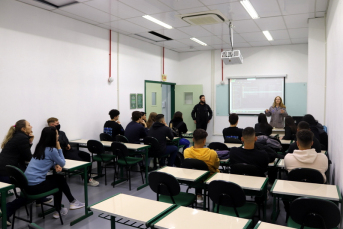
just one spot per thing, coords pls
(172, 152)
(185, 142)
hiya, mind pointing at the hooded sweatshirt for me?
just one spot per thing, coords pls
(160, 132)
(210, 157)
(307, 159)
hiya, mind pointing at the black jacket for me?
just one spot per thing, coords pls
(180, 125)
(134, 132)
(202, 113)
(16, 152)
(289, 134)
(64, 141)
(115, 129)
(232, 132)
(316, 145)
(160, 132)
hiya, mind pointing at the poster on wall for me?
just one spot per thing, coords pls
(132, 101)
(139, 100)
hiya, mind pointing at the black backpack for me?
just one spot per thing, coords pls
(176, 131)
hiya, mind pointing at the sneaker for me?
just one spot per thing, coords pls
(63, 211)
(200, 199)
(76, 205)
(93, 182)
(44, 200)
(94, 175)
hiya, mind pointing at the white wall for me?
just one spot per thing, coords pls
(288, 59)
(334, 109)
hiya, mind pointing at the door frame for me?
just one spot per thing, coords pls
(172, 95)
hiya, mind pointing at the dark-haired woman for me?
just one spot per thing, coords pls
(178, 123)
(318, 130)
(290, 129)
(48, 154)
(263, 126)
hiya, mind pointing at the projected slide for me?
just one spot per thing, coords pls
(255, 95)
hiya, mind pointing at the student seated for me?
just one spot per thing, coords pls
(70, 153)
(269, 141)
(151, 120)
(161, 131)
(233, 131)
(113, 126)
(248, 154)
(178, 123)
(48, 154)
(290, 129)
(318, 130)
(134, 130)
(143, 116)
(263, 126)
(305, 157)
(316, 144)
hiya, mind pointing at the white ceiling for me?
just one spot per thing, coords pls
(287, 20)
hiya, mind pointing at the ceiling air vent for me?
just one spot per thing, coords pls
(204, 18)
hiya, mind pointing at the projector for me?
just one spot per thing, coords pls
(232, 57)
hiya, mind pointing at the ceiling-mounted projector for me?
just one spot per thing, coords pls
(232, 57)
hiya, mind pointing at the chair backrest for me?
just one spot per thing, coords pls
(218, 146)
(95, 146)
(233, 140)
(105, 137)
(245, 169)
(228, 194)
(164, 184)
(119, 149)
(191, 163)
(154, 149)
(17, 177)
(306, 175)
(315, 213)
(122, 138)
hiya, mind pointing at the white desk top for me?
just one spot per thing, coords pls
(285, 142)
(264, 225)
(323, 151)
(183, 174)
(293, 188)
(73, 163)
(230, 145)
(278, 129)
(271, 164)
(281, 163)
(131, 207)
(190, 218)
(108, 144)
(246, 182)
(225, 160)
(4, 185)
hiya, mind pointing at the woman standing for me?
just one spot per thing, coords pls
(277, 112)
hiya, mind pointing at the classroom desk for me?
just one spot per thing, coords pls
(281, 163)
(258, 185)
(274, 163)
(131, 208)
(279, 131)
(130, 146)
(4, 188)
(230, 145)
(294, 189)
(183, 217)
(264, 225)
(286, 142)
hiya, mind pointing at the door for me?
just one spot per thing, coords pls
(166, 102)
(153, 98)
(186, 97)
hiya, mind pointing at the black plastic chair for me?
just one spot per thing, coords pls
(121, 151)
(306, 175)
(121, 138)
(246, 169)
(218, 146)
(314, 213)
(19, 180)
(229, 199)
(96, 147)
(155, 151)
(105, 137)
(168, 189)
(233, 140)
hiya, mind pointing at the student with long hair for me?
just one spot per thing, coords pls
(151, 119)
(277, 112)
(290, 128)
(263, 126)
(317, 129)
(48, 154)
(178, 123)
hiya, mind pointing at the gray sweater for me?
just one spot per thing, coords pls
(277, 118)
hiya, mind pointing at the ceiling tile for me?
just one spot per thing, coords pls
(218, 29)
(189, 42)
(266, 8)
(281, 42)
(297, 21)
(127, 26)
(259, 43)
(241, 45)
(213, 2)
(321, 5)
(195, 31)
(174, 44)
(271, 23)
(297, 6)
(88, 12)
(180, 5)
(236, 38)
(233, 10)
(299, 41)
(147, 6)
(320, 14)
(246, 26)
(212, 40)
(148, 36)
(74, 16)
(171, 19)
(201, 48)
(145, 23)
(256, 36)
(186, 49)
(279, 34)
(115, 8)
(173, 33)
(222, 46)
(38, 4)
(193, 10)
(298, 33)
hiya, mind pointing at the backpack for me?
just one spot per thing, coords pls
(176, 131)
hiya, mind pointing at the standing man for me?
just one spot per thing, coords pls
(202, 114)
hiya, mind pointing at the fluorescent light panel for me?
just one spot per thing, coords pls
(157, 22)
(268, 35)
(250, 9)
(198, 41)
